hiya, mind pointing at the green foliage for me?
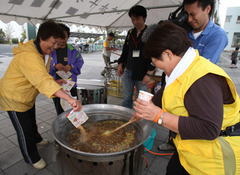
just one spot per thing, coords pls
(2, 36)
(24, 35)
(91, 41)
(116, 34)
(14, 41)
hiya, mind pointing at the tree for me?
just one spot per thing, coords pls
(24, 34)
(9, 31)
(2, 36)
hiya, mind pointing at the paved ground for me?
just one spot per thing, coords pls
(11, 161)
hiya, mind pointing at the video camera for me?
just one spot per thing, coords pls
(180, 19)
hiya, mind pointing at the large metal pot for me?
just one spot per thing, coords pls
(126, 162)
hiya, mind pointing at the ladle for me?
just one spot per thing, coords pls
(107, 133)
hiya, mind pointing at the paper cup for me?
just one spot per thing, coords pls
(146, 96)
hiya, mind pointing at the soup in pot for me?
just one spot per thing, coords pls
(94, 141)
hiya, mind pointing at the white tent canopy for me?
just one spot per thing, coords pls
(108, 14)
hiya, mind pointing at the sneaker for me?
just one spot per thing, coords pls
(43, 142)
(166, 147)
(40, 164)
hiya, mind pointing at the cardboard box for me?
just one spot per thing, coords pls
(150, 87)
(115, 88)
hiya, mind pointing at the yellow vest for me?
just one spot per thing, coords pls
(25, 77)
(199, 156)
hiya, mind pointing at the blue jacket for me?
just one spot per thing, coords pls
(211, 42)
(74, 58)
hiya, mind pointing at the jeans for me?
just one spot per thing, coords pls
(128, 88)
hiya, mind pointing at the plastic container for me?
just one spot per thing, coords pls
(145, 96)
(149, 142)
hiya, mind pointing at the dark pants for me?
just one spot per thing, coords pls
(27, 133)
(174, 167)
(57, 103)
(233, 61)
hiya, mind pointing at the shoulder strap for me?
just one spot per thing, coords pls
(129, 33)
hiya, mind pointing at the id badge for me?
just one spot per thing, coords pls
(136, 53)
(66, 59)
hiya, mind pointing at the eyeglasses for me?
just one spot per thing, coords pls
(152, 63)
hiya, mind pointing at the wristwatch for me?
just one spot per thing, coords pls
(160, 120)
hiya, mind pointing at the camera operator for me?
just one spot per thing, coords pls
(208, 38)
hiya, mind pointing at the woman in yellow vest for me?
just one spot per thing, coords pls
(198, 102)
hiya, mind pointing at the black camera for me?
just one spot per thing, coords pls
(180, 19)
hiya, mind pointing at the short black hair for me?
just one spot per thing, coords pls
(111, 34)
(202, 3)
(50, 29)
(65, 28)
(137, 10)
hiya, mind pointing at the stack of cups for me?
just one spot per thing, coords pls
(146, 96)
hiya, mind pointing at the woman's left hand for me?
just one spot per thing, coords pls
(146, 110)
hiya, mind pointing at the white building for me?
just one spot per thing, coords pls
(232, 27)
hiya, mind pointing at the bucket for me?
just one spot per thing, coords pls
(88, 94)
(149, 142)
(92, 91)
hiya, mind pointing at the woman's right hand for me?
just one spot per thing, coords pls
(76, 104)
(135, 117)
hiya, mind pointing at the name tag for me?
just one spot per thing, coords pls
(65, 59)
(136, 53)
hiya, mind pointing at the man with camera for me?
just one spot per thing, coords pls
(208, 38)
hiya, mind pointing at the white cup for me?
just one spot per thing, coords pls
(146, 96)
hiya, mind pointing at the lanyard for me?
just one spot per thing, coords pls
(136, 44)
